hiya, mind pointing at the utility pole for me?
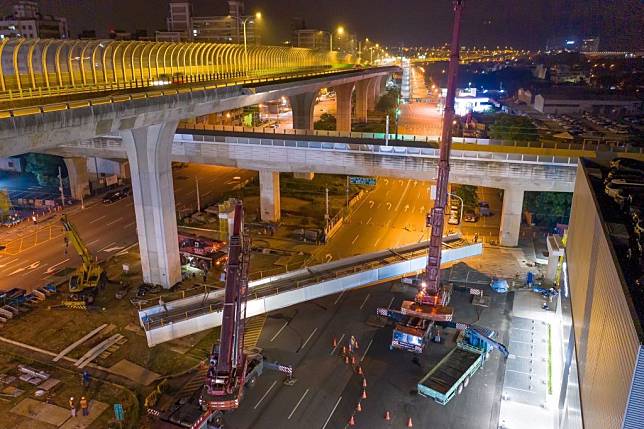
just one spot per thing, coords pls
(347, 189)
(60, 186)
(326, 214)
(387, 130)
(198, 199)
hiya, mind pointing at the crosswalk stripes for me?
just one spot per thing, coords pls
(254, 328)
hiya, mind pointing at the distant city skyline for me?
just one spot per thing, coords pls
(520, 23)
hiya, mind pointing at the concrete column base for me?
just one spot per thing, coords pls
(511, 217)
(362, 99)
(343, 95)
(149, 152)
(269, 194)
(78, 177)
(304, 176)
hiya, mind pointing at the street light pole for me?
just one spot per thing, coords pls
(198, 197)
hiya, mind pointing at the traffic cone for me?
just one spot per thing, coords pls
(364, 394)
(353, 360)
(346, 359)
(359, 407)
(344, 350)
(335, 342)
(410, 424)
(352, 421)
(387, 415)
(360, 370)
(364, 382)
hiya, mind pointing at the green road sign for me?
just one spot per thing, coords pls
(367, 181)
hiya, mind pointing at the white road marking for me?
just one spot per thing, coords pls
(355, 238)
(309, 338)
(9, 263)
(369, 221)
(337, 345)
(338, 298)
(124, 251)
(298, 404)
(98, 218)
(111, 244)
(265, 395)
(206, 194)
(391, 302)
(366, 350)
(365, 300)
(114, 221)
(377, 241)
(402, 196)
(279, 332)
(53, 267)
(129, 224)
(92, 242)
(332, 411)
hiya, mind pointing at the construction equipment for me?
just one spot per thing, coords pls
(89, 277)
(452, 374)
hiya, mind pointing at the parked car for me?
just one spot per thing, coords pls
(470, 216)
(113, 196)
(484, 209)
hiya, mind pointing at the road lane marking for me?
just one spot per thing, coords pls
(265, 395)
(129, 224)
(92, 242)
(339, 297)
(369, 221)
(391, 302)
(298, 404)
(377, 241)
(402, 197)
(279, 332)
(355, 238)
(337, 345)
(206, 194)
(98, 218)
(9, 263)
(332, 411)
(366, 350)
(111, 244)
(308, 339)
(365, 300)
(52, 268)
(114, 221)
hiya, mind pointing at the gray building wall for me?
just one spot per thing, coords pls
(606, 337)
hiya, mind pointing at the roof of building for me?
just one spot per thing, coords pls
(583, 93)
(619, 231)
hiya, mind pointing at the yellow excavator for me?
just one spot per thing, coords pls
(90, 277)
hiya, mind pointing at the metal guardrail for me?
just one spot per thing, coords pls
(151, 93)
(462, 143)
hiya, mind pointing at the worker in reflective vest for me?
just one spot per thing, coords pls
(83, 405)
(72, 407)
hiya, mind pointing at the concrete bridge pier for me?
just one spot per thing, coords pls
(343, 95)
(78, 176)
(269, 195)
(362, 99)
(149, 152)
(373, 92)
(511, 216)
(302, 106)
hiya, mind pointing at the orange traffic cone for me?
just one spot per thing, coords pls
(410, 424)
(346, 359)
(352, 421)
(359, 407)
(387, 415)
(344, 350)
(360, 370)
(364, 394)
(335, 342)
(353, 360)
(364, 382)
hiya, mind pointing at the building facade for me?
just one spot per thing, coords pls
(27, 21)
(604, 370)
(311, 39)
(560, 102)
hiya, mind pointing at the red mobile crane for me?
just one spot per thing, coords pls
(432, 293)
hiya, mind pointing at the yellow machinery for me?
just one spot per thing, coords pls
(90, 276)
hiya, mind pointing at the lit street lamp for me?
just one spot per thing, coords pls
(340, 31)
(244, 21)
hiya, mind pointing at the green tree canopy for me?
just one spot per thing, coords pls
(388, 102)
(327, 122)
(5, 204)
(510, 127)
(44, 167)
(468, 194)
(548, 208)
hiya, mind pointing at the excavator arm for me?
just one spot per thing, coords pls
(72, 236)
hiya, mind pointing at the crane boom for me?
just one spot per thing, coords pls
(437, 217)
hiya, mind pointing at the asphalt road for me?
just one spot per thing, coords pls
(106, 229)
(327, 390)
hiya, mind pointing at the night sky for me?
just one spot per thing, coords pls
(520, 23)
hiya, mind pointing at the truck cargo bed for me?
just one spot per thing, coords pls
(443, 376)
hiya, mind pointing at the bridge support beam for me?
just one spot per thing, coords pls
(362, 99)
(78, 177)
(302, 106)
(149, 152)
(343, 94)
(373, 91)
(511, 216)
(269, 195)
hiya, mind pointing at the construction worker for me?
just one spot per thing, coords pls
(84, 406)
(72, 407)
(85, 378)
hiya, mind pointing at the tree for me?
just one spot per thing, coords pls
(5, 204)
(469, 196)
(44, 167)
(509, 127)
(388, 102)
(327, 122)
(549, 208)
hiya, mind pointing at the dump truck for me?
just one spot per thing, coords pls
(453, 373)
